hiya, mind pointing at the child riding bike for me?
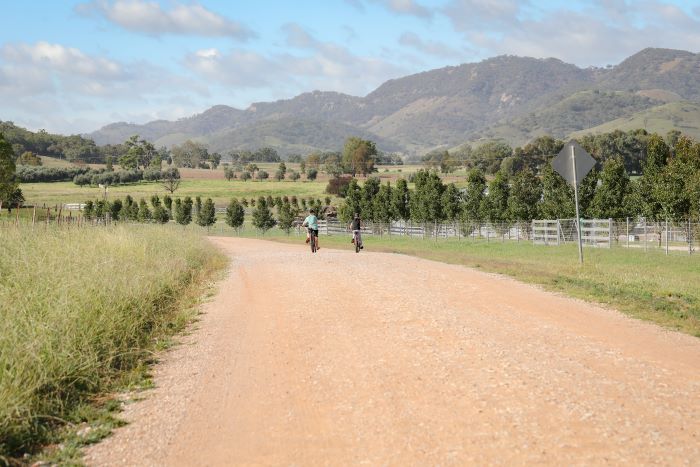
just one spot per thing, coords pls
(356, 226)
(311, 222)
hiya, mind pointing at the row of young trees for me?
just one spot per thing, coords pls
(669, 189)
(182, 211)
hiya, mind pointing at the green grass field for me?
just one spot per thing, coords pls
(80, 312)
(649, 286)
(209, 184)
(221, 191)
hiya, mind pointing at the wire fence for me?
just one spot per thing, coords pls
(598, 233)
(680, 236)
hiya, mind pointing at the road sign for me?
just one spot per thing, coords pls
(573, 173)
(573, 163)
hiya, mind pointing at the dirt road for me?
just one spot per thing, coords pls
(380, 359)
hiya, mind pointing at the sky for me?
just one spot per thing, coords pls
(73, 66)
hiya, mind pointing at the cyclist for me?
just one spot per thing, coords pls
(311, 222)
(355, 226)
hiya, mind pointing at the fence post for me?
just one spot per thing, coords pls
(610, 232)
(666, 236)
(645, 235)
(559, 232)
(690, 239)
(628, 232)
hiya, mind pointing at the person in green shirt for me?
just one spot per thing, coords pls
(311, 222)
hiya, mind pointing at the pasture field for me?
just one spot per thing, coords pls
(649, 286)
(212, 184)
(221, 191)
(80, 312)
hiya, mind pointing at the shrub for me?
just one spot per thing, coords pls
(338, 186)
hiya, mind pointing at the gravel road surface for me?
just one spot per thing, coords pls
(380, 359)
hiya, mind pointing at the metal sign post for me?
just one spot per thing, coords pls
(573, 163)
(578, 216)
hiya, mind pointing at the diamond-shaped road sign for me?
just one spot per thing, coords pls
(564, 165)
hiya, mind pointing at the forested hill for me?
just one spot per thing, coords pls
(507, 97)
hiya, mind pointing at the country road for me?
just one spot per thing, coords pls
(380, 359)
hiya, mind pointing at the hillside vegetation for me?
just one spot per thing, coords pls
(514, 98)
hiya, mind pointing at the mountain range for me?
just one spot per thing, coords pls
(510, 98)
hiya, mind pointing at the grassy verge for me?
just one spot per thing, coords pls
(650, 286)
(80, 313)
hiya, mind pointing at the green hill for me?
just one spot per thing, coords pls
(682, 116)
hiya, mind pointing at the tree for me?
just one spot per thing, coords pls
(262, 175)
(214, 160)
(183, 211)
(451, 202)
(189, 154)
(358, 156)
(245, 176)
(313, 161)
(155, 201)
(557, 196)
(353, 200)
(370, 189)
(144, 214)
(171, 179)
(285, 217)
(89, 210)
(474, 197)
(109, 162)
(426, 200)
(332, 166)
(311, 174)
(15, 199)
(609, 198)
(161, 214)
(206, 216)
(115, 209)
(295, 176)
(8, 183)
(168, 203)
(400, 200)
(382, 208)
(488, 156)
(229, 173)
(497, 200)
(535, 154)
(525, 195)
(29, 158)
(235, 214)
(262, 217)
(282, 170)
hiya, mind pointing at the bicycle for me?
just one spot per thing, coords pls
(357, 240)
(312, 240)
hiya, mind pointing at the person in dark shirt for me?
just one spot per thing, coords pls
(356, 226)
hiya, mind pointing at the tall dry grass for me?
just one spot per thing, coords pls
(78, 308)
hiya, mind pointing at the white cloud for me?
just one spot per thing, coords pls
(433, 48)
(403, 7)
(467, 15)
(599, 33)
(327, 66)
(149, 18)
(297, 36)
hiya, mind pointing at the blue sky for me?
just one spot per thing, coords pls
(73, 66)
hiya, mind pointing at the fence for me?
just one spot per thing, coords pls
(599, 233)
